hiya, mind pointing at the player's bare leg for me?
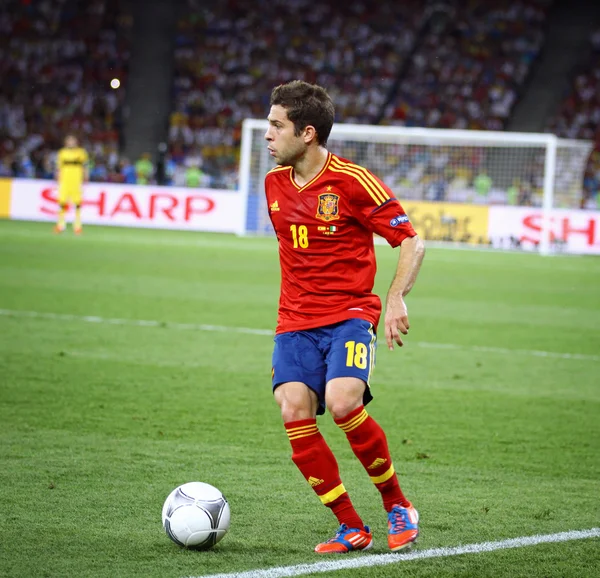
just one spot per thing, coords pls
(60, 223)
(318, 465)
(296, 401)
(77, 222)
(343, 397)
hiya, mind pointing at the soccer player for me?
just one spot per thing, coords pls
(71, 172)
(325, 210)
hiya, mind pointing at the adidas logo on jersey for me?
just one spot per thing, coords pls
(378, 462)
(314, 481)
(274, 206)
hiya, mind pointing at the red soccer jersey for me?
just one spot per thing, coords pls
(325, 233)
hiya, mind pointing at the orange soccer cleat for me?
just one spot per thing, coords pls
(403, 527)
(58, 229)
(77, 230)
(347, 540)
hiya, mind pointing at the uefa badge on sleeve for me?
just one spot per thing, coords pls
(399, 220)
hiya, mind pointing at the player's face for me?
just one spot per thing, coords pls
(284, 146)
(70, 142)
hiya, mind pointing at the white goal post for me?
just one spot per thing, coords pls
(453, 183)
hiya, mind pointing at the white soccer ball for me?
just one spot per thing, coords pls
(196, 515)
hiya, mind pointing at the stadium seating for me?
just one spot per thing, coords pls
(466, 72)
(56, 61)
(579, 118)
(229, 57)
(470, 67)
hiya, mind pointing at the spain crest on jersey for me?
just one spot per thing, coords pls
(328, 209)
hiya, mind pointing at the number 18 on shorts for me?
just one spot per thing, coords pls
(316, 356)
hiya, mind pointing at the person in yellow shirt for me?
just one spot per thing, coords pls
(71, 172)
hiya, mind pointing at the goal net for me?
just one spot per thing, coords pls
(499, 189)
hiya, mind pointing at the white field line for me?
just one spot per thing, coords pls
(385, 559)
(506, 350)
(268, 332)
(133, 322)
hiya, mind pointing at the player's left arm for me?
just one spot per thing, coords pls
(412, 251)
(57, 166)
(376, 206)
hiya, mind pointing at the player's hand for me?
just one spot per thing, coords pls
(396, 321)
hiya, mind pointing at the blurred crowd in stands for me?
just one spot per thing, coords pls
(470, 66)
(579, 118)
(468, 62)
(57, 59)
(229, 57)
(448, 64)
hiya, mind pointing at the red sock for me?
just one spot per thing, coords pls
(316, 461)
(370, 446)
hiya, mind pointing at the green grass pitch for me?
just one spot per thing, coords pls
(100, 421)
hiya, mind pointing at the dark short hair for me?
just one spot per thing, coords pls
(306, 104)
